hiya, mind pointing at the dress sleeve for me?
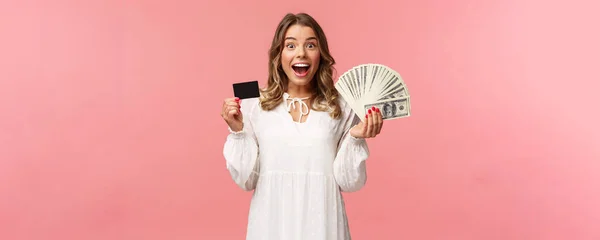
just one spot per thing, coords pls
(349, 166)
(241, 150)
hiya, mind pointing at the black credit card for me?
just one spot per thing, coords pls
(243, 90)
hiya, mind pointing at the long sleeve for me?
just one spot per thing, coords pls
(241, 151)
(349, 166)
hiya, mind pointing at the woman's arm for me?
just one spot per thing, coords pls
(241, 150)
(349, 166)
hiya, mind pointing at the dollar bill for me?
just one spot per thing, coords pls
(398, 92)
(368, 85)
(392, 108)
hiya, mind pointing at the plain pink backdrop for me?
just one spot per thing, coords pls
(110, 125)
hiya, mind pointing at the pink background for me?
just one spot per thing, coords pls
(110, 125)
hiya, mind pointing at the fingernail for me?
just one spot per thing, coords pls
(369, 111)
(374, 107)
(237, 99)
(377, 109)
(367, 116)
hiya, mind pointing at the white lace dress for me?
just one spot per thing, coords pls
(297, 171)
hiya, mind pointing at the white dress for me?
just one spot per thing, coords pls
(297, 171)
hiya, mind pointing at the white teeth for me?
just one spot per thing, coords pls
(301, 65)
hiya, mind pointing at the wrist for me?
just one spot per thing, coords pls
(356, 137)
(353, 133)
(235, 128)
(235, 132)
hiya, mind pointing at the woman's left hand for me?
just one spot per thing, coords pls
(370, 127)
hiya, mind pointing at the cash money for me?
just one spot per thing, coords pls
(392, 108)
(368, 85)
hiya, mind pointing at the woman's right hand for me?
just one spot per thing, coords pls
(232, 115)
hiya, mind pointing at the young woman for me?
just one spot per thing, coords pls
(300, 144)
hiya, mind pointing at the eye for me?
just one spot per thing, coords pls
(289, 45)
(310, 45)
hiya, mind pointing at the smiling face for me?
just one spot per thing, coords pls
(301, 65)
(300, 55)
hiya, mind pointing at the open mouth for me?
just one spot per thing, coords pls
(300, 69)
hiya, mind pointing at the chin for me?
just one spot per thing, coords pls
(300, 81)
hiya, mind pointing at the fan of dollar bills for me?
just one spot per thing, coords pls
(368, 85)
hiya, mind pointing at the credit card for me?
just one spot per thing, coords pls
(243, 90)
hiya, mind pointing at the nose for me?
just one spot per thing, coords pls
(300, 53)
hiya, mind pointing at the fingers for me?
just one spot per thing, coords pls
(364, 125)
(235, 102)
(378, 121)
(233, 112)
(369, 124)
(374, 122)
(231, 108)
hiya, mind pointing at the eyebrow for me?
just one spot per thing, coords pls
(293, 38)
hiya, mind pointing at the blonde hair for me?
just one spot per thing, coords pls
(325, 95)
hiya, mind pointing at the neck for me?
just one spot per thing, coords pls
(299, 91)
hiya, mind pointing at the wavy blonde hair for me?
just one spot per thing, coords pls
(324, 93)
